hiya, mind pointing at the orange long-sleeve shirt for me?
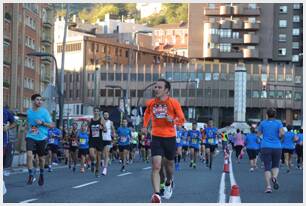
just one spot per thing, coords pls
(158, 110)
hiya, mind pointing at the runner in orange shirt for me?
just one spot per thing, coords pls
(165, 112)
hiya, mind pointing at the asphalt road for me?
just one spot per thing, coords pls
(199, 185)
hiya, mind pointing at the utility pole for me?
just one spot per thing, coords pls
(61, 102)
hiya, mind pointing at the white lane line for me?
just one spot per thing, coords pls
(146, 168)
(83, 185)
(231, 173)
(128, 173)
(222, 195)
(30, 200)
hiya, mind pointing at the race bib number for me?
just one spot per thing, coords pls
(34, 130)
(210, 141)
(74, 143)
(52, 140)
(82, 141)
(95, 131)
(160, 111)
(123, 139)
(194, 141)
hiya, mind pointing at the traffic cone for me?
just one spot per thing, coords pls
(235, 195)
(226, 166)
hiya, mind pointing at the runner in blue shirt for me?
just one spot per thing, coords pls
(299, 149)
(211, 142)
(124, 136)
(179, 133)
(252, 142)
(83, 139)
(185, 143)
(194, 136)
(39, 121)
(54, 135)
(271, 148)
(288, 146)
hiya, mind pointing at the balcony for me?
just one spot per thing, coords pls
(231, 40)
(251, 25)
(45, 79)
(237, 24)
(226, 10)
(46, 40)
(239, 10)
(47, 23)
(250, 53)
(211, 12)
(213, 38)
(212, 53)
(225, 24)
(46, 60)
(231, 55)
(250, 39)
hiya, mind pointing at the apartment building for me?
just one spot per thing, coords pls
(247, 32)
(171, 38)
(27, 28)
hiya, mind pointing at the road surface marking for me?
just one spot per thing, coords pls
(83, 185)
(222, 195)
(231, 173)
(30, 200)
(146, 168)
(128, 173)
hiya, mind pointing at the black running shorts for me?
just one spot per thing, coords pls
(53, 148)
(96, 143)
(165, 147)
(252, 153)
(83, 152)
(123, 147)
(290, 151)
(40, 147)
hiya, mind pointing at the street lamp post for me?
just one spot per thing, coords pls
(123, 93)
(59, 85)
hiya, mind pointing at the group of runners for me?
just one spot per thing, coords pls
(96, 143)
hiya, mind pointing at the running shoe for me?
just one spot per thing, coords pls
(73, 169)
(168, 191)
(97, 174)
(268, 190)
(49, 168)
(104, 172)
(155, 198)
(92, 167)
(275, 183)
(123, 169)
(41, 180)
(191, 163)
(194, 165)
(30, 180)
(252, 169)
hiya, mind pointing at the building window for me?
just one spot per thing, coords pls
(288, 95)
(280, 77)
(280, 94)
(295, 58)
(211, 6)
(155, 77)
(207, 76)
(298, 96)
(118, 76)
(133, 77)
(102, 92)
(127, 53)
(271, 94)
(283, 9)
(214, 31)
(110, 76)
(296, 18)
(263, 94)
(225, 33)
(231, 93)
(117, 93)
(282, 37)
(103, 76)
(252, 6)
(140, 93)
(296, 6)
(215, 76)
(148, 77)
(295, 32)
(235, 35)
(252, 19)
(133, 93)
(225, 47)
(255, 94)
(125, 76)
(282, 23)
(289, 77)
(282, 51)
(110, 92)
(295, 45)
(140, 77)
(298, 79)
